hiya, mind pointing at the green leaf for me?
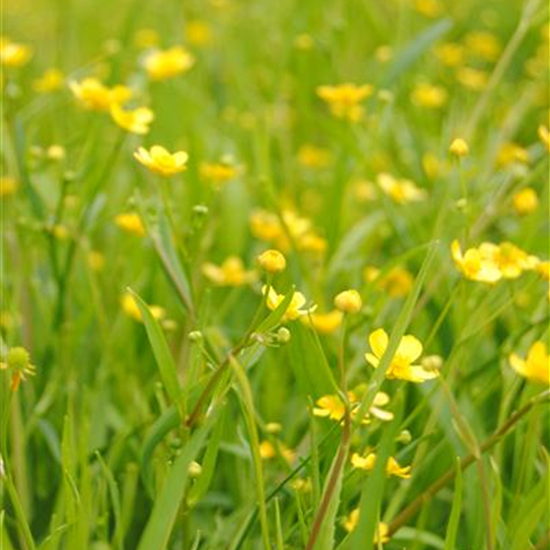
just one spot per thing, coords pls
(454, 520)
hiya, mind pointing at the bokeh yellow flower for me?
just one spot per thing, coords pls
(324, 323)
(164, 64)
(348, 301)
(231, 272)
(130, 308)
(314, 157)
(429, 95)
(536, 367)
(50, 81)
(135, 121)
(219, 173)
(94, 95)
(272, 261)
(198, 33)
(400, 190)
(8, 186)
(368, 461)
(294, 310)
(13, 54)
(159, 160)
(344, 100)
(525, 201)
(476, 264)
(131, 223)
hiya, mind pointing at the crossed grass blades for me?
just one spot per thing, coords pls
(274, 275)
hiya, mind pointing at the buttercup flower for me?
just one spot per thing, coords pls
(160, 161)
(324, 323)
(544, 136)
(230, 273)
(268, 451)
(536, 367)
(50, 81)
(8, 186)
(427, 95)
(94, 95)
(402, 365)
(130, 307)
(344, 99)
(135, 121)
(348, 301)
(13, 54)
(525, 201)
(368, 461)
(220, 172)
(272, 261)
(314, 157)
(294, 310)
(510, 260)
(459, 147)
(512, 153)
(476, 264)
(400, 191)
(332, 406)
(163, 64)
(131, 223)
(18, 361)
(382, 529)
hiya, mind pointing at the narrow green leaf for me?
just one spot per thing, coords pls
(454, 520)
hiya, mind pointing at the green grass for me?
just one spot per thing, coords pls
(150, 433)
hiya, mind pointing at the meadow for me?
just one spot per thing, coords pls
(274, 275)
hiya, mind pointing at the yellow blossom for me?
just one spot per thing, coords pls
(475, 264)
(8, 186)
(135, 121)
(268, 451)
(510, 153)
(544, 136)
(471, 78)
(220, 172)
(397, 282)
(537, 365)
(364, 190)
(450, 54)
(18, 362)
(332, 406)
(428, 95)
(50, 81)
(483, 44)
(402, 365)
(400, 191)
(272, 261)
(348, 301)
(382, 529)
(368, 461)
(198, 33)
(509, 259)
(294, 310)
(160, 161)
(314, 157)
(344, 100)
(13, 54)
(383, 53)
(94, 95)
(459, 147)
(163, 64)
(525, 201)
(429, 8)
(230, 273)
(131, 223)
(324, 323)
(130, 307)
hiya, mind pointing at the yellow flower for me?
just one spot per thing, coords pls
(402, 365)
(130, 307)
(397, 282)
(544, 136)
(50, 81)
(18, 361)
(344, 99)
(459, 147)
(332, 406)
(304, 42)
(510, 153)
(348, 301)
(96, 260)
(450, 54)
(160, 161)
(509, 259)
(220, 172)
(483, 44)
(314, 157)
(135, 121)
(94, 95)
(475, 264)
(272, 261)
(474, 79)
(230, 273)
(294, 309)
(131, 223)
(13, 54)
(8, 186)
(429, 8)
(163, 64)
(198, 33)
(537, 365)
(268, 451)
(428, 95)
(525, 201)
(381, 536)
(324, 323)
(368, 461)
(400, 191)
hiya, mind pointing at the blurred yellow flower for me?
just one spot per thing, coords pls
(304, 42)
(459, 147)
(163, 64)
(294, 310)
(8, 186)
(130, 308)
(344, 99)
(429, 8)
(450, 54)
(220, 172)
(474, 79)
(160, 161)
(13, 54)
(544, 136)
(311, 156)
(402, 365)
(272, 261)
(146, 38)
(382, 530)
(397, 282)
(509, 259)
(348, 301)
(525, 201)
(131, 223)
(368, 461)
(96, 260)
(324, 323)
(476, 264)
(268, 451)
(230, 273)
(401, 191)
(94, 95)
(135, 121)
(510, 153)
(536, 367)
(332, 406)
(428, 95)
(18, 361)
(483, 44)
(198, 33)
(50, 81)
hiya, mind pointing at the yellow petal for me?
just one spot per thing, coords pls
(410, 348)
(378, 341)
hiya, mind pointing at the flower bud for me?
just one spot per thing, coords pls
(459, 147)
(283, 335)
(272, 261)
(194, 469)
(348, 301)
(195, 336)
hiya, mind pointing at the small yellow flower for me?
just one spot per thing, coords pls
(525, 201)
(483, 44)
(475, 264)
(348, 301)
(96, 260)
(198, 33)
(314, 157)
(18, 361)
(332, 406)
(324, 323)
(368, 461)
(381, 536)
(272, 261)
(130, 308)
(429, 8)
(160, 161)
(13, 54)
(459, 147)
(473, 79)
(429, 96)
(135, 121)
(268, 451)
(450, 54)
(8, 186)
(544, 136)
(512, 153)
(230, 273)
(219, 173)
(400, 191)
(294, 310)
(509, 259)
(131, 223)
(94, 95)
(402, 365)
(397, 282)
(50, 81)
(163, 64)
(344, 100)
(536, 367)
